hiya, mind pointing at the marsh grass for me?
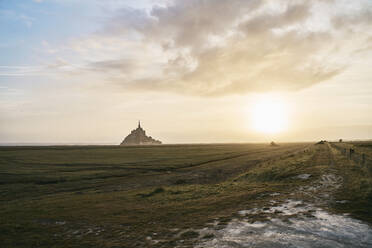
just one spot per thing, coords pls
(133, 196)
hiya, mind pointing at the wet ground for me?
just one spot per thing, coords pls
(293, 223)
(309, 227)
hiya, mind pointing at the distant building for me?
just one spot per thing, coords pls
(138, 137)
(273, 143)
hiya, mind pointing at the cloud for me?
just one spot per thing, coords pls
(10, 71)
(350, 20)
(218, 47)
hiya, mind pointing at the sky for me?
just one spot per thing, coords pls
(196, 71)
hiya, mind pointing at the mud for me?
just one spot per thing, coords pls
(293, 223)
(308, 226)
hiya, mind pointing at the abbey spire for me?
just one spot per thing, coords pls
(139, 137)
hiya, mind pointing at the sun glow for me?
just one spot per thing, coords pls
(270, 115)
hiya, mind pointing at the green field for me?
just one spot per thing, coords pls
(111, 196)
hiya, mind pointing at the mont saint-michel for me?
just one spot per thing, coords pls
(138, 137)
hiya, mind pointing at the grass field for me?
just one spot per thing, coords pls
(155, 196)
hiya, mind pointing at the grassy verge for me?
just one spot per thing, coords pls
(355, 194)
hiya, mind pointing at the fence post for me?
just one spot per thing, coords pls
(351, 153)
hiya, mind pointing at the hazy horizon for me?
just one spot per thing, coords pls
(212, 71)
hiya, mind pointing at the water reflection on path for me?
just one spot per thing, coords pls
(293, 224)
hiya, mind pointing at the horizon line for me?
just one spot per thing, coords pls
(164, 144)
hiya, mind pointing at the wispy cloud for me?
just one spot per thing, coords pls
(21, 70)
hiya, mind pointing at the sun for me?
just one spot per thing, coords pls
(270, 116)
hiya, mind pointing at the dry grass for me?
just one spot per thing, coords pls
(119, 197)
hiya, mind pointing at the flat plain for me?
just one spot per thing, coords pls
(171, 195)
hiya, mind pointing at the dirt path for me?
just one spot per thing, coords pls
(301, 220)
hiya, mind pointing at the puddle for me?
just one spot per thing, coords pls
(293, 223)
(307, 226)
(303, 176)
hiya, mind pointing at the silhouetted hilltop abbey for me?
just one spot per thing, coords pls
(138, 137)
